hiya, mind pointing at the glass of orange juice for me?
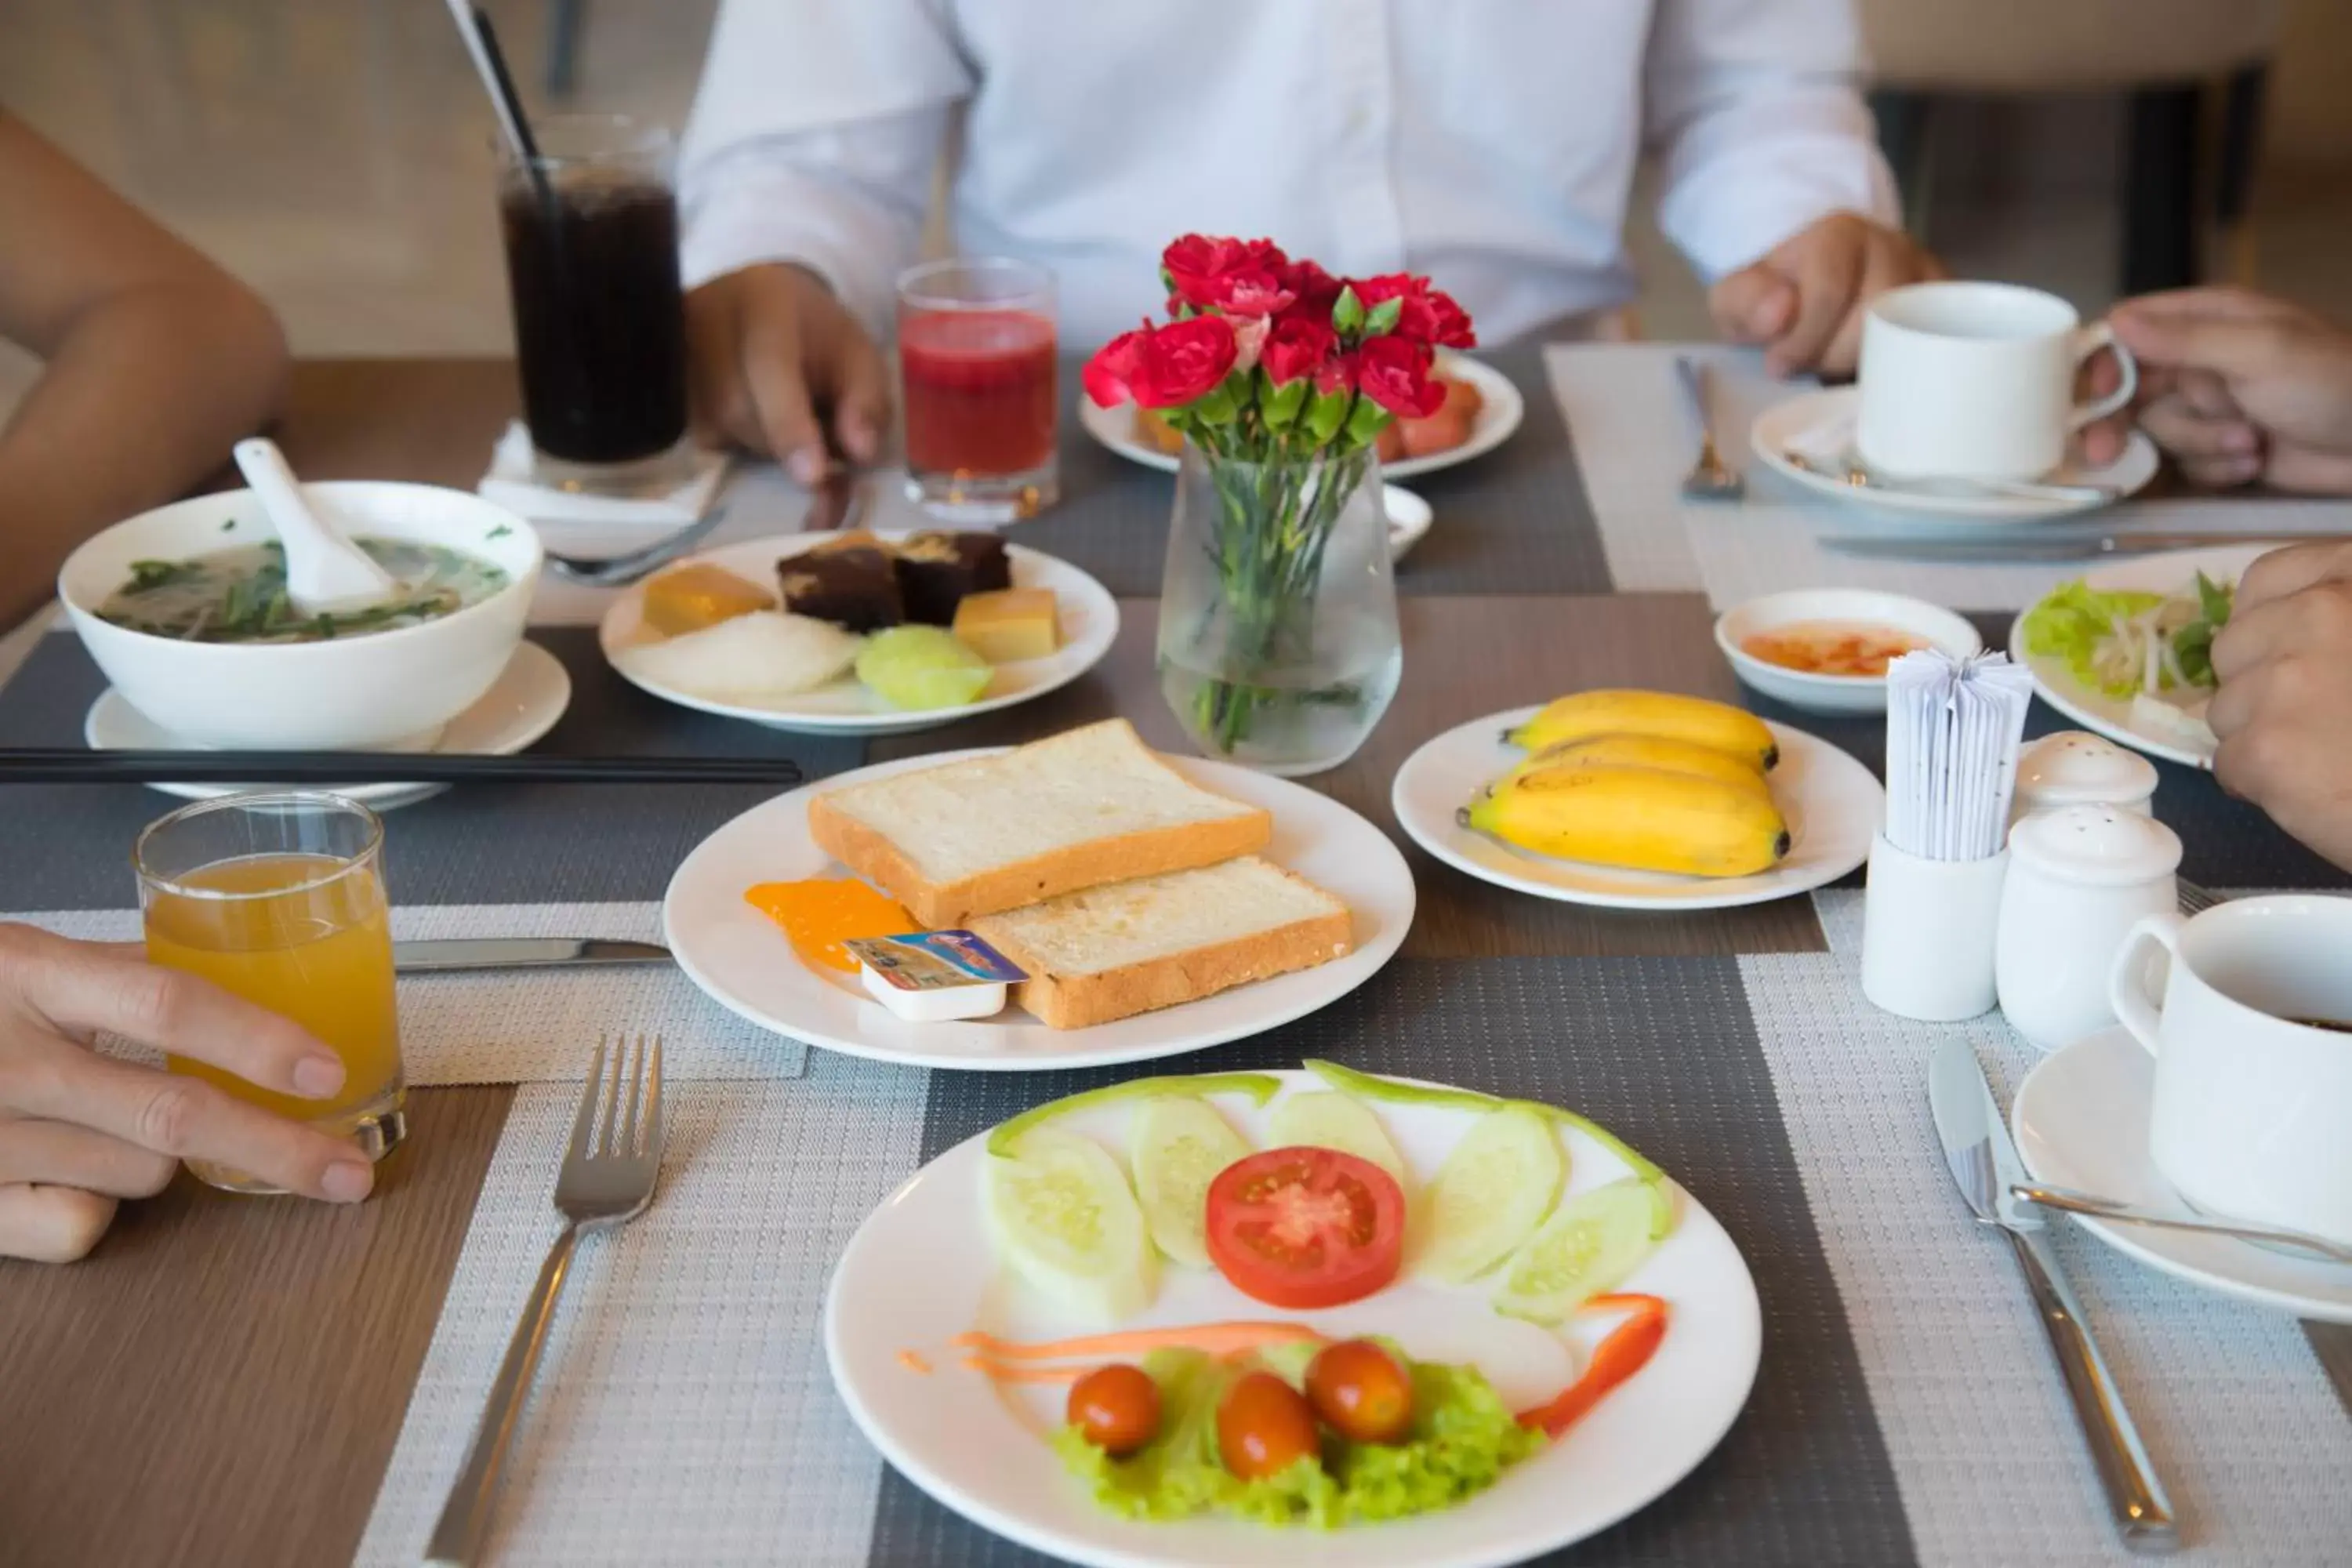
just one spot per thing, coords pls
(278, 897)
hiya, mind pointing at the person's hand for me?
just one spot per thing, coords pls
(78, 1131)
(2283, 712)
(2237, 387)
(1804, 300)
(777, 365)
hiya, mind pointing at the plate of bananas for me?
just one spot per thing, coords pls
(1639, 800)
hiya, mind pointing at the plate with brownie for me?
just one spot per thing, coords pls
(860, 633)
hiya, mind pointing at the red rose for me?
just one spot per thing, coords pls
(1316, 290)
(1393, 372)
(1239, 277)
(1426, 315)
(1162, 367)
(1297, 346)
(1336, 375)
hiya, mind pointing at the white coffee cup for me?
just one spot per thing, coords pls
(1977, 381)
(2253, 1117)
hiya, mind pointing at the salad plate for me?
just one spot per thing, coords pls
(743, 962)
(926, 1279)
(1819, 427)
(1500, 410)
(1089, 624)
(1832, 803)
(2106, 650)
(2081, 1120)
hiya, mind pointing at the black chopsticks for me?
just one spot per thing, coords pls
(329, 769)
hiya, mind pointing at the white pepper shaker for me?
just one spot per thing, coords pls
(2074, 767)
(2080, 877)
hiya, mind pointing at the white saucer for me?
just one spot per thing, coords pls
(2081, 1120)
(1832, 804)
(1500, 410)
(524, 703)
(1798, 421)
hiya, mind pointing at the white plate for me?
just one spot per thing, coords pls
(1832, 803)
(1089, 625)
(921, 1270)
(2081, 1120)
(2156, 574)
(1790, 422)
(1500, 410)
(740, 957)
(522, 705)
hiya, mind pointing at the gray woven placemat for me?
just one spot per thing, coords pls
(1664, 1052)
(69, 848)
(1515, 521)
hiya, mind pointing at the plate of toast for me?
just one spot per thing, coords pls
(860, 633)
(1152, 904)
(1482, 407)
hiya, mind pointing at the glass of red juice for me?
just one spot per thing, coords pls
(591, 231)
(978, 392)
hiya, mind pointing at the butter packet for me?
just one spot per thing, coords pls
(935, 976)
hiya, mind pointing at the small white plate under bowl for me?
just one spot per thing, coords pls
(740, 958)
(1089, 618)
(2109, 716)
(1796, 422)
(921, 1270)
(522, 705)
(1839, 694)
(1500, 409)
(1832, 803)
(2081, 1120)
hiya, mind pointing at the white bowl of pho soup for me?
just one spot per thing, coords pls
(184, 609)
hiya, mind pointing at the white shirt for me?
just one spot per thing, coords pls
(1489, 144)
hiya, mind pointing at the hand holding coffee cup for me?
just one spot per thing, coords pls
(2253, 1041)
(1977, 381)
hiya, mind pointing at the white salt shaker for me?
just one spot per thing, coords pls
(2074, 767)
(2080, 877)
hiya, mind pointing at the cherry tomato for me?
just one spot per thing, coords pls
(1360, 1391)
(1264, 1427)
(1305, 1227)
(1117, 1408)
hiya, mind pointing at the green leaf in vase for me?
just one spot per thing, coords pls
(1346, 312)
(1383, 318)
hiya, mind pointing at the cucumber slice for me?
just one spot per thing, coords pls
(1590, 1244)
(1322, 1118)
(1176, 1145)
(1259, 1085)
(1491, 1194)
(1062, 1216)
(1370, 1085)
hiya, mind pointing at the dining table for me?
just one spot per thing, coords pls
(263, 1381)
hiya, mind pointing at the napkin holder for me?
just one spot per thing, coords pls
(1929, 931)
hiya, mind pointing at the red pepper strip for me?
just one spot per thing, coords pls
(1625, 1351)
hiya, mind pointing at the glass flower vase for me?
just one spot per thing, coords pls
(1278, 639)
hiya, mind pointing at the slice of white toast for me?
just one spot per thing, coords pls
(1112, 951)
(1088, 806)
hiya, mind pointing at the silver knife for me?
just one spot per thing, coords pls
(520, 952)
(1985, 1164)
(1993, 550)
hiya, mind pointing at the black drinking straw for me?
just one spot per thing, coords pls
(491, 64)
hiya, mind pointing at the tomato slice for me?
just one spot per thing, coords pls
(1305, 1227)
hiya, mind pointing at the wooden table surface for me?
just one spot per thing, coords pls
(223, 1382)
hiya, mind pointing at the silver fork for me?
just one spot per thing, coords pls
(620, 571)
(1710, 478)
(607, 1180)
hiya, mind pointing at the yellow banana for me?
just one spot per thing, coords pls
(1645, 818)
(1586, 714)
(1664, 751)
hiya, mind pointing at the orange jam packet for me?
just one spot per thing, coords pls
(824, 914)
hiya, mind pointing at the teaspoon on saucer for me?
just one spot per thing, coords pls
(2097, 1207)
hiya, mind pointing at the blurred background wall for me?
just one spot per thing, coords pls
(335, 153)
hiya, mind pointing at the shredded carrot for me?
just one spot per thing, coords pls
(1004, 1373)
(914, 1363)
(1215, 1339)
(1625, 1351)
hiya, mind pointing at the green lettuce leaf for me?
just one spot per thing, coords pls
(1462, 1440)
(2075, 624)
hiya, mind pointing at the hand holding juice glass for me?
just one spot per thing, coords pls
(278, 898)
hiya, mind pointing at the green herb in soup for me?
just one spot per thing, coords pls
(239, 595)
